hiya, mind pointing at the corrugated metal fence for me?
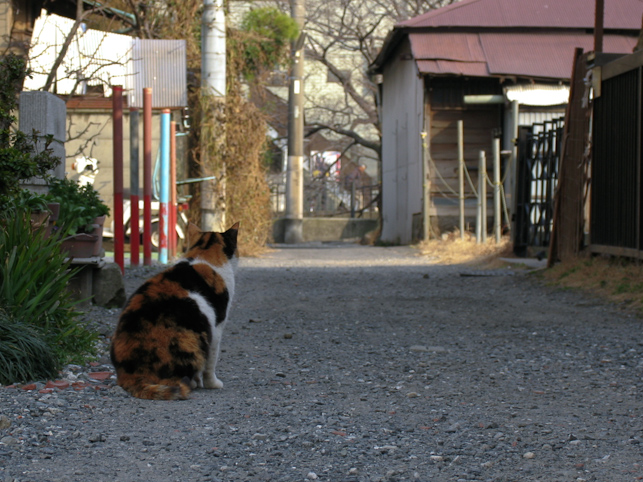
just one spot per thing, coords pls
(616, 196)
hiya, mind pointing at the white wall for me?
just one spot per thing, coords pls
(402, 123)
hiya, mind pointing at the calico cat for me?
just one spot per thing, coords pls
(167, 339)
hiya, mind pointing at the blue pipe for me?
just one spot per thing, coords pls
(165, 187)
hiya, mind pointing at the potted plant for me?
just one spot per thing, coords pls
(81, 217)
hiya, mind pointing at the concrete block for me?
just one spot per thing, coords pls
(47, 114)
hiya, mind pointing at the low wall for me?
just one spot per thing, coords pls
(328, 229)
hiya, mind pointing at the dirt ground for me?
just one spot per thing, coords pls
(354, 363)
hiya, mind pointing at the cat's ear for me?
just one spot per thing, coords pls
(231, 235)
(193, 233)
(235, 227)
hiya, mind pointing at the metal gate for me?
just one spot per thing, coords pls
(538, 159)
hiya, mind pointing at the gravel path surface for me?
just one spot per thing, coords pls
(349, 363)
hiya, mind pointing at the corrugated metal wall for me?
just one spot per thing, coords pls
(161, 65)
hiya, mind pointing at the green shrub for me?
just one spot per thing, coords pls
(79, 205)
(19, 159)
(24, 355)
(33, 289)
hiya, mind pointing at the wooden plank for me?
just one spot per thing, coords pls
(616, 251)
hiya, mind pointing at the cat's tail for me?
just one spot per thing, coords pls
(166, 389)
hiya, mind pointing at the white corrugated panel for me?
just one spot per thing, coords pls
(161, 65)
(102, 58)
(93, 57)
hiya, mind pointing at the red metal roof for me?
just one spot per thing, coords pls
(528, 54)
(619, 14)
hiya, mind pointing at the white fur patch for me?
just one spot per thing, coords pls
(205, 307)
(226, 272)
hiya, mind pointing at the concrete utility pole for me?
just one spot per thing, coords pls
(293, 226)
(213, 91)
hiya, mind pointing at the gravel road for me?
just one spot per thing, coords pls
(350, 363)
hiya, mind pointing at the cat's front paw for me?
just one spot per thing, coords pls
(212, 382)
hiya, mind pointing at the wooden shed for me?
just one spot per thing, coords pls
(494, 64)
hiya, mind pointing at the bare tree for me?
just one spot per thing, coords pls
(344, 38)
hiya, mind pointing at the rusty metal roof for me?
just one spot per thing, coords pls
(539, 55)
(527, 38)
(619, 14)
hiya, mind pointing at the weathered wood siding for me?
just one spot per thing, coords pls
(402, 98)
(445, 107)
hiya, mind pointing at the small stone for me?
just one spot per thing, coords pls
(412, 394)
(5, 423)
(8, 441)
(436, 458)
(353, 471)
(280, 375)
(529, 455)
(262, 437)
(287, 336)
(97, 438)
(312, 476)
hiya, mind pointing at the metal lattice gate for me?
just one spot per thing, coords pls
(538, 159)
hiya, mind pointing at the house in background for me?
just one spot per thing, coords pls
(468, 62)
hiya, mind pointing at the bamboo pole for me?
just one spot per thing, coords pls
(461, 174)
(497, 213)
(483, 195)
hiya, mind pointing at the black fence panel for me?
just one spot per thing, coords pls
(615, 224)
(538, 159)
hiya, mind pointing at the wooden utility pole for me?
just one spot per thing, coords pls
(598, 26)
(293, 226)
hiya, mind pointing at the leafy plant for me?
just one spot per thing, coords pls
(267, 43)
(19, 157)
(34, 275)
(24, 355)
(79, 206)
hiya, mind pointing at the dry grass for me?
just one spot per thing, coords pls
(616, 280)
(450, 249)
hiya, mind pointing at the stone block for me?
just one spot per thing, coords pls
(108, 286)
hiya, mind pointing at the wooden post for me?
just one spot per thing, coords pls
(134, 187)
(147, 176)
(483, 195)
(497, 213)
(119, 237)
(461, 174)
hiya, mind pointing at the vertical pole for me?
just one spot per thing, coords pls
(213, 92)
(165, 186)
(497, 213)
(173, 206)
(483, 195)
(598, 26)
(426, 175)
(147, 176)
(293, 225)
(119, 241)
(353, 193)
(479, 203)
(461, 174)
(134, 187)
